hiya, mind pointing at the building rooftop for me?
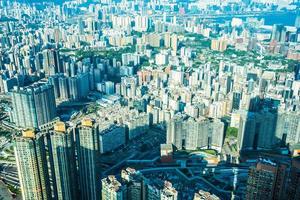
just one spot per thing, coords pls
(28, 133)
(203, 195)
(60, 127)
(88, 122)
(112, 183)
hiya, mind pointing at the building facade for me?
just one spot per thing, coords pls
(63, 162)
(34, 105)
(32, 166)
(87, 144)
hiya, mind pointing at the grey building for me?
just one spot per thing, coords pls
(63, 88)
(288, 127)
(257, 130)
(190, 133)
(63, 162)
(73, 88)
(33, 105)
(87, 144)
(111, 136)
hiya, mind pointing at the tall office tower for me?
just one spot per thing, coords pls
(87, 144)
(113, 189)
(33, 105)
(288, 127)
(293, 191)
(32, 166)
(190, 133)
(256, 130)
(266, 181)
(63, 162)
(168, 192)
(141, 23)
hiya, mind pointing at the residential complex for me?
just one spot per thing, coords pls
(149, 99)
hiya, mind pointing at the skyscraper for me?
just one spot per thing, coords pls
(33, 105)
(63, 158)
(87, 144)
(32, 166)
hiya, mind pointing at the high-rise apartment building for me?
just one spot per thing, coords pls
(168, 192)
(87, 144)
(190, 133)
(288, 127)
(136, 184)
(141, 23)
(32, 167)
(218, 45)
(63, 161)
(63, 87)
(113, 189)
(33, 105)
(278, 32)
(266, 181)
(256, 130)
(111, 136)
